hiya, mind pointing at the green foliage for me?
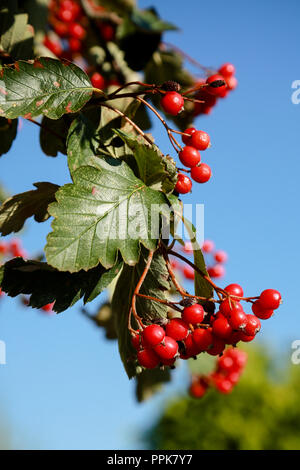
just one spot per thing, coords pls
(46, 86)
(150, 382)
(260, 414)
(15, 210)
(89, 226)
(156, 284)
(8, 132)
(45, 284)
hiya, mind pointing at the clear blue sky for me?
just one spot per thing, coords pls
(63, 385)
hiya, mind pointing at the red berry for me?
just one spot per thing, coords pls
(48, 307)
(77, 31)
(184, 184)
(227, 307)
(172, 103)
(1, 292)
(217, 347)
(208, 246)
(202, 338)
(237, 319)
(153, 335)
(189, 156)
(231, 83)
(221, 256)
(233, 377)
(148, 358)
(235, 289)
(227, 70)
(61, 29)
(98, 81)
(197, 389)
(177, 329)
(225, 363)
(136, 341)
(224, 385)
(54, 46)
(75, 45)
(218, 91)
(252, 326)
(200, 140)
(245, 338)
(201, 173)
(190, 349)
(3, 248)
(260, 312)
(190, 131)
(167, 349)
(188, 247)
(270, 299)
(188, 273)
(217, 271)
(107, 31)
(221, 328)
(193, 314)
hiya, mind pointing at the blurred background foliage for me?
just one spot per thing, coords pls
(261, 413)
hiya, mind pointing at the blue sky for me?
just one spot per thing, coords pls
(63, 385)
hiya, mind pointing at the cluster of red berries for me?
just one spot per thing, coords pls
(228, 371)
(69, 30)
(14, 249)
(210, 94)
(198, 331)
(217, 270)
(190, 157)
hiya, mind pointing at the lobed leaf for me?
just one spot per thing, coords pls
(106, 210)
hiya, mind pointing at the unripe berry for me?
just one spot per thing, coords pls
(184, 184)
(167, 349)
(193, 314)
(189, 156)
(148, 358)
(172, 103)
(270, 299)
(260, 312)
(153, 335)
(201, 173)
(177, 329)
(200, 140)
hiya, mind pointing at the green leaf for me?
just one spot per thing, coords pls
(53, 135)
(150, 381)
(155, 169)
(15, 210)
(202, 287)
(44, 86)
(16, 35)
(155, 284)
(104, 211)
(46, 285)
(82, 141)
(8, 132)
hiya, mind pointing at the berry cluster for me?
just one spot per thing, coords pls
(69, 30)
(228, 371)
(210, 94)
(215, 270)
(199, 331)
